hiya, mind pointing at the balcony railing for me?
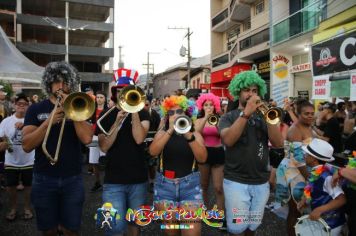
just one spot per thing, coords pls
(223, 59)
(300, 22)
(219, 18)
(254, 40)
(232, 3)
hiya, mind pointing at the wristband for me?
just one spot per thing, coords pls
(191, 139)
(170, 134)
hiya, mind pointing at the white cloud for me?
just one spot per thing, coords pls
(142, 26)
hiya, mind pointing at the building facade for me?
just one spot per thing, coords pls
(81, 31)
(293, 26)
(239, 40)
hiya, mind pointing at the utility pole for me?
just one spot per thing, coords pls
(187, 83)
(121, 64)
(67, 32)
(148, 70)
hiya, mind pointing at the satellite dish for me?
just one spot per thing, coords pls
(182, 51)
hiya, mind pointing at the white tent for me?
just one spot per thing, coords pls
(14, 66)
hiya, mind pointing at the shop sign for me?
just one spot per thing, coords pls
(263, 67)
(205, 86)
(300, 68)
(303, 94)
(335, 55)
(353, 87)
(280, 68)
(321, 87)
(228, 73)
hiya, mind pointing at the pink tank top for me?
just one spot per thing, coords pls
(211, 136)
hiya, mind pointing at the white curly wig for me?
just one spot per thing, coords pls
(60, 71)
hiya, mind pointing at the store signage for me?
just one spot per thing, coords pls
(225, 75)
(300, 68)
(303, 94)
(321, 87)
(263, 67)
(280, 68)
(205, 86)
(353, 87)
(335, 55)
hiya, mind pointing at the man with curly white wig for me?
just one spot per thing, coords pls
(57, 190)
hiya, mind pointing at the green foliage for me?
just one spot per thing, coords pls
(7, 88)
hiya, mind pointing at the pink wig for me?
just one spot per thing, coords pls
(208, 97)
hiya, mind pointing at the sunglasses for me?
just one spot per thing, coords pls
(172, 112)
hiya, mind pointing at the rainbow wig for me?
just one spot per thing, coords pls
(208, 97)
(244, 80)
(187, 105)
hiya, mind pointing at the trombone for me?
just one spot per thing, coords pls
(77, 106)
(131, 99)
(213, 120)
(272, 115)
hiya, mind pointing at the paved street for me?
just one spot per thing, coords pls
(272, 225)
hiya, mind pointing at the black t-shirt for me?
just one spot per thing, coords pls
(332, 131)
(125, 159)
(247, 160)
(69, 158)
(178, 156)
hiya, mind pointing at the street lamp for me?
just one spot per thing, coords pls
(66, 28)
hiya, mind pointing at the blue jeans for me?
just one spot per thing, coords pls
(244, 205)
(180, 190)
(57, 201)
(122, 197)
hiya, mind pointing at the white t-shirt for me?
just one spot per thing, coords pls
(18, 157)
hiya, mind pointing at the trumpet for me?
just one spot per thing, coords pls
(130, 99)
(77, 106)
(182, 124)
(272, 115)
(213, 120)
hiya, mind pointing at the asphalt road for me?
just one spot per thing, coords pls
(272, 225)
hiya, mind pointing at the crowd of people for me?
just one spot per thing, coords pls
(243, 151)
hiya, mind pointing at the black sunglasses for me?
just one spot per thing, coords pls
(172, 112)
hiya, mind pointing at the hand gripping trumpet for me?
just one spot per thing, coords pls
(130, 99)
(272, 115)
(77, 106)
(213, 120)
(182, 124)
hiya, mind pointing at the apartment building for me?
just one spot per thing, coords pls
(296, 26)
(239, 41)
(80, 31)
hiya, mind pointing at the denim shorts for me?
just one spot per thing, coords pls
(58, 201)
(178, 191)
(244, 205)
(122, 197)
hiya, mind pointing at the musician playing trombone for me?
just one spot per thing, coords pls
(57, 188)
(125, 181)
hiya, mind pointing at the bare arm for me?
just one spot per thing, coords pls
(332, 205)
(349, 174)
(349, 124)
(3, 144)
(139, 129)
(159, 141)
(231, 135)
(275, 136)
(84, 131)
(199, 124)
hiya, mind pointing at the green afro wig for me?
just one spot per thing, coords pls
(244, 80)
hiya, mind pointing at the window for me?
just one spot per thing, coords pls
(259, 7)
(247, 24)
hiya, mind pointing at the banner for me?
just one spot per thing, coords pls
(321, 87)
(335, 55)
(353, 87)
(280, 77)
